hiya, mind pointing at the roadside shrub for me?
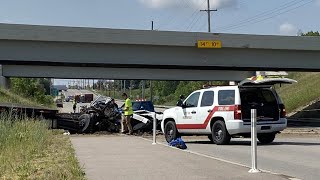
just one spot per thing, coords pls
(28, 150)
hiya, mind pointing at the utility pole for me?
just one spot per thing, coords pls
(209, 14)
(152, 25)
(151, 88)
(124, 85)
(143, 89)
(130, 88)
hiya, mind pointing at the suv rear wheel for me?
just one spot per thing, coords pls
(266, 138)
(170, 131)
(220, 135)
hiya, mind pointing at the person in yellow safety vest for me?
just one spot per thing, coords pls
(128, 113)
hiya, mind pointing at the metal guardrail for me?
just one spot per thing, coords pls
(28, 110)
(307, 122)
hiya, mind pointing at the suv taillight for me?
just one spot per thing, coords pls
(282, 110)
(237, 112)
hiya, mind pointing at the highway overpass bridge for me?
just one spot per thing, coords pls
(77, 52)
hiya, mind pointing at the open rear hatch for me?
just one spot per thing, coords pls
(258, 94)
(266, 82)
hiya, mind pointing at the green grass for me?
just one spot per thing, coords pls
(8, 97)
(28, 150)
(302, 93)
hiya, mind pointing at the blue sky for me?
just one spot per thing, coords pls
(181, 15)
(278, 17)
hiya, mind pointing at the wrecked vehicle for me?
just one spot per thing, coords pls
(103, 114)
(143, 115)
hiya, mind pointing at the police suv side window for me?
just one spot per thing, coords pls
(193, 100)
(226, 97)
(207, 99)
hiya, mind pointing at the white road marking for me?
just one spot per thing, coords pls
(219, 159)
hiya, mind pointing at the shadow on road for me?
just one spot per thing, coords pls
(296, 143)
(248, 143)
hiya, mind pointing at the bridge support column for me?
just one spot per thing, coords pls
(4, 81)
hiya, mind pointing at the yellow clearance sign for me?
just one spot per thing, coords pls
(209, 44)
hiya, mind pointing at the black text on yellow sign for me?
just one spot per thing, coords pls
(209, 44)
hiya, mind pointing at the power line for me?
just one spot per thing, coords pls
(209, 10)
(187, 3)
(202, 25)
(271, 16)
(195, 22)
(193, 15)
(261, 15)
(286, 5)
(172, 17)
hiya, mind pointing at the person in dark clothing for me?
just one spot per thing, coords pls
(181, 99)
(74, 106)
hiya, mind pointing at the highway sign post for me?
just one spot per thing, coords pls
(254, 168)
(154, 128)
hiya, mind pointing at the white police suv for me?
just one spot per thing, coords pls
(224, 112)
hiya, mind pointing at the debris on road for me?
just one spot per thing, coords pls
(66, 133)
(178, 143)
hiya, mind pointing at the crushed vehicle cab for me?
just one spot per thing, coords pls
(101, 115)
(223, 112)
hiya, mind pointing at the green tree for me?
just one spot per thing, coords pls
(311, 33)
(165, 88)
(46, 83)
(31, 88)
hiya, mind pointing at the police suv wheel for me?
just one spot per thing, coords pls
(266, 138)
(170, 131)
(220, 135)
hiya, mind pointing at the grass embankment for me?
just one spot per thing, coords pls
(28, 150)
(302, 93)
(8, 97)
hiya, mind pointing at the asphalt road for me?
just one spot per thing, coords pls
(297, 156)
(68, 106)
(293, 155)
(129, 157)
(73, 92)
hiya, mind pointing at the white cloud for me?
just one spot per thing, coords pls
(158, 3)
(217, 3)
(196, 3)
(288, 29)
(5, 21)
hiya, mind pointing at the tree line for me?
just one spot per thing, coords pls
(36, 89)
